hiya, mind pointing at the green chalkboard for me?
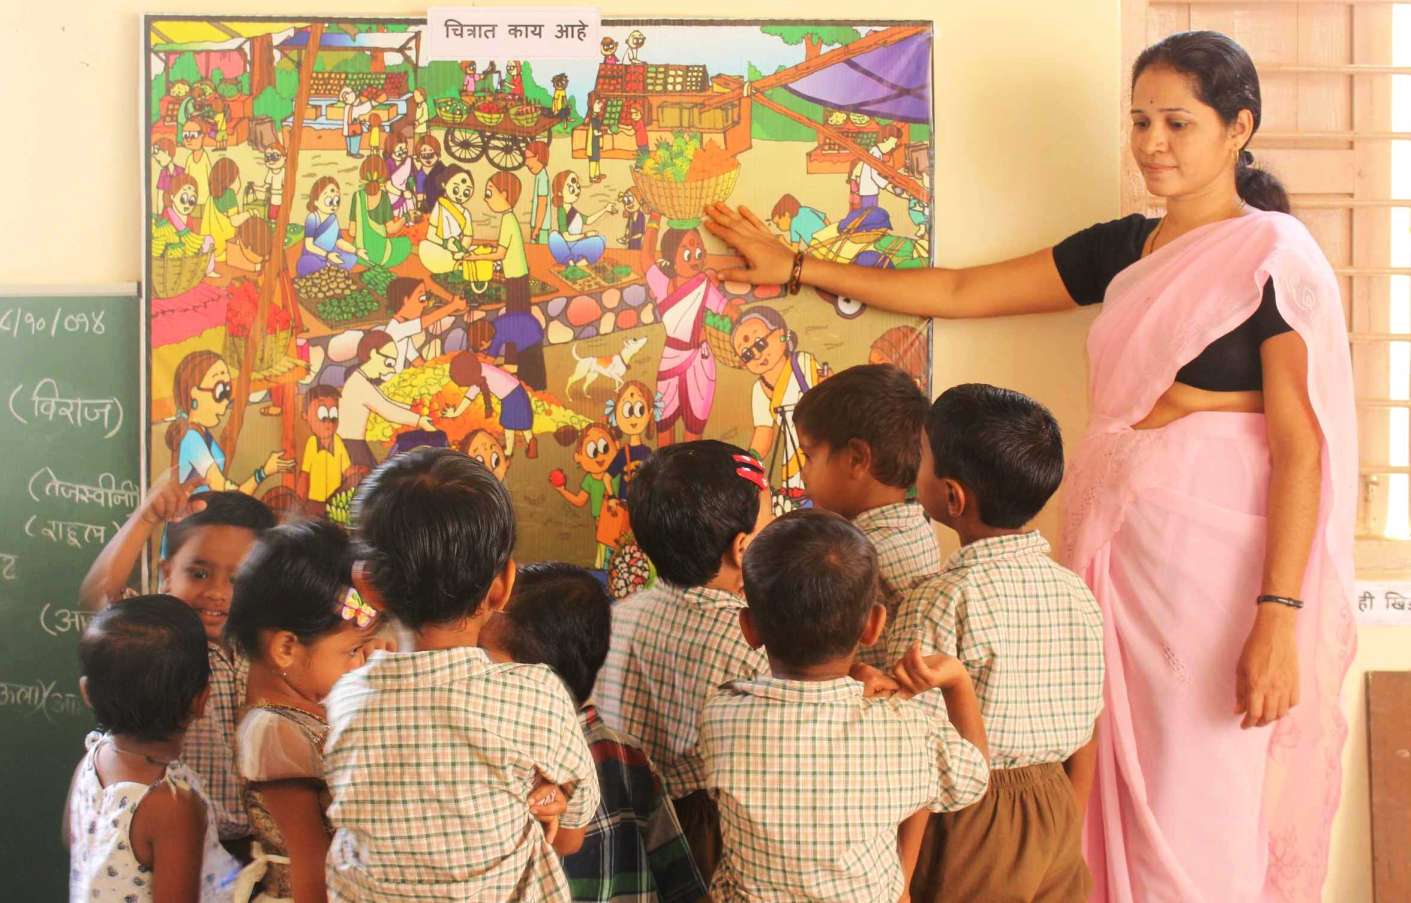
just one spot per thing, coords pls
(69, 424)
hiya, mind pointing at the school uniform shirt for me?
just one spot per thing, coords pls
(209, 747)
(325, 467)
(671, 646)
(1028, 631)
(906, 554)
(812, 780)
(430, 760)
(633, 849)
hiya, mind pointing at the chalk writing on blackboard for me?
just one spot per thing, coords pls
(40, 697)
(58, 621)
(106, 492)
(68, 532)
(7, 567)
(49, 405)
(19, 322)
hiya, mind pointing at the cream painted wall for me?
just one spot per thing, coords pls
(1027, 95)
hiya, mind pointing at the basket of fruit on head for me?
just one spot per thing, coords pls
(489, 113)
(683, 176)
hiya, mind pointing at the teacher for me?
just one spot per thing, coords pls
(1209, 507)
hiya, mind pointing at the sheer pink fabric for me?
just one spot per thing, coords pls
(1168, 528)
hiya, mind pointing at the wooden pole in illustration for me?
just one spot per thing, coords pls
(278, 259)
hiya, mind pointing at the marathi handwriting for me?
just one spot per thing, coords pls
(40, 697)
(76, 534)
(46, 403)
(58, 621)
(7, 567)
(17, 323)
(106, 492)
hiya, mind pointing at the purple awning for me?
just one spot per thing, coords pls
(893, 82)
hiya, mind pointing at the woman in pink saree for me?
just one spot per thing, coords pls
(1211, 497)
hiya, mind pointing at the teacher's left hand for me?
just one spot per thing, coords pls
(1266, 678)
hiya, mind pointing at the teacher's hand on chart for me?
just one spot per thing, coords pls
(770, 260)
(1266, 678)
(169, 501)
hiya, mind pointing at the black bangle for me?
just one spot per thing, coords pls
(1280, 600)
(796, 276)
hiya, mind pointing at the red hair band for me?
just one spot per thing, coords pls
(751, 470)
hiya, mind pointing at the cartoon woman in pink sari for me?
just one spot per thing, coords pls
(684, 293)
(1211, 505)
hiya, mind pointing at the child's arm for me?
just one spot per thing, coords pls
(168, 836)
(295, 807)
(909, 835)
(917, 673)
(547, 802)
(1080, 768)
(166, 501)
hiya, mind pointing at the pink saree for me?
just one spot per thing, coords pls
(1167, 526)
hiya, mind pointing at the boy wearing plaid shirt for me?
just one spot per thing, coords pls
(634, 849)
(857, 431)
(816, 782)
(694, 508)
(1030, 634)
(432, 755)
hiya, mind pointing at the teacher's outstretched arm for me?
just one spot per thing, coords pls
(1023, 285)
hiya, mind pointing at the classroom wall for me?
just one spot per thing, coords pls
(1028, 94)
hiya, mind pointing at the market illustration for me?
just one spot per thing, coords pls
(354, 251)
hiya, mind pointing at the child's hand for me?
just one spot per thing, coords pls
(546, 803)
(874, 683)
(169, 501)
(918, 673)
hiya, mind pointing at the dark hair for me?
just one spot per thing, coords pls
(466, 371)
(145, 660)
(874, 403)
(811, 580)
(1001, 445)
(223, 509)
(434, 528)
(787, 205)
(1224, 78)
(671, 241)
(399, 289)
(436, 188)
(294, 579)
(560, 616)
(372, 340)
(687, 505)
(322, 393)
(507, 184)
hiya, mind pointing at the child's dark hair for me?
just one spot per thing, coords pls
(294, 579)
(145, 661)
(223, 509)
(434, 528)
(687, 505)
(560, 616)
(1001, 445)
(874, 403)
(811, 580)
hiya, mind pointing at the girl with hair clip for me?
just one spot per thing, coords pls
(594, 450)
(632, 415)
(485, 381)
(685, 292)
(375, 225)
(769, 349)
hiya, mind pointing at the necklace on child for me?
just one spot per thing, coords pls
(152, 760)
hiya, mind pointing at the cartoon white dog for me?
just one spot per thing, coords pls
(613, 366)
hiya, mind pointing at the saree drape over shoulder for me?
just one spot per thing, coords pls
(1168, 528)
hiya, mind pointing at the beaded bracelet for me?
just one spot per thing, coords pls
(796, 277)
(1280, 600)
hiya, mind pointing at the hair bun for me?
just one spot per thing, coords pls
(1246, 158)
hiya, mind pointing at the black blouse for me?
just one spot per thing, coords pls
(1088, 260)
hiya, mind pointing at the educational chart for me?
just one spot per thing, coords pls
(355, 250)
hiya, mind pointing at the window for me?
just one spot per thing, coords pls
(1336, 84)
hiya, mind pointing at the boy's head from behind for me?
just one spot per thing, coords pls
(991, 458)
(857, 430)
(811, 583)
(205, 549)
(694, 507)
(559, 615)
(435, 530)
(144, 667)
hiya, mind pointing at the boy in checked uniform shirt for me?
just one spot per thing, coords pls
(432, 755)
(814, 781)
(858, 433)
(1030, 634)
(694, 508)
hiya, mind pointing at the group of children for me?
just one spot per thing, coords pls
(811, 707)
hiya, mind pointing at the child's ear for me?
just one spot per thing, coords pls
(83, 691)
(362, 582)
(874, 625)
(163, 574)
(502, 587)
(859, 457)
(747, 627)
(281, 647)
(957, 499)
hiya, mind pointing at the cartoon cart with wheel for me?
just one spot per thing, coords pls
(497, 130)
(867, 241)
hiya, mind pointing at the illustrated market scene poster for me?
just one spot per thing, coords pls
(355, 250)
